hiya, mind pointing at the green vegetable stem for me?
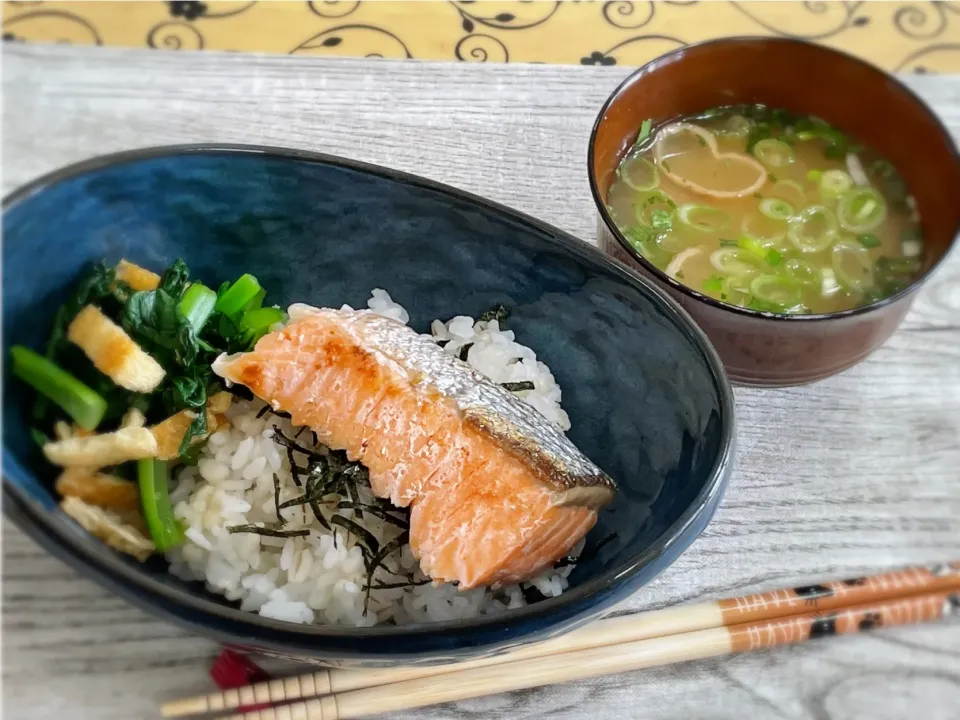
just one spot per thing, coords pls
(256, 323)
(79, 401)
(153, 478)
(237, 298)
(197, 305)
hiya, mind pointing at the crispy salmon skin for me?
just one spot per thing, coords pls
(497, 493)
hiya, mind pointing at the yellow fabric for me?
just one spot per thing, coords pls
(901, 36)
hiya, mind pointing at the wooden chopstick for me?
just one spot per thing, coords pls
(623, 657)
(620, 631)
(636, 655)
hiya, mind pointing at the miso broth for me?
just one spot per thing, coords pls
(767, 210)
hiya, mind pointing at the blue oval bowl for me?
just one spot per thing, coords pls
(645, 391)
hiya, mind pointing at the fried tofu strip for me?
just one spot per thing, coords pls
(136, 277)
(96, 451)
(109, 528)
(219, 403)
(105, 491)
(101, 489)
(169, 433)
(113, 352)
(133, 418)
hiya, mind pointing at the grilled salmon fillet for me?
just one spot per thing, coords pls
(497, 493)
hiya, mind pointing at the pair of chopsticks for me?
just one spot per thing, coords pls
(620, 644)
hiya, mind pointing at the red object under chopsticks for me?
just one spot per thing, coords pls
(231, 670)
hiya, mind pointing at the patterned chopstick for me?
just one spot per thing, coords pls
(624, 657)
(740, 611)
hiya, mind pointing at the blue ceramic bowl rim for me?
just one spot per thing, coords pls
(675, 55)
(109, 568)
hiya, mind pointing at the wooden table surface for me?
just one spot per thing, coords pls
(853, 474)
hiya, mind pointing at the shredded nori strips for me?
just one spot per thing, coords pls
(518, 386)
(294, 468)
(465, 351)
(376, 511)
(393, 586)
(267, 409)
(354, 494)
(333, 473)
(276, 498)
(315, 490)
(377, 560)
(268, 532)
(282, 439)
(368, 541)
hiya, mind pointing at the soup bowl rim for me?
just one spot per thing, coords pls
(115, 572)
(660, 276)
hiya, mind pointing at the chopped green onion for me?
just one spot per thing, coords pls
(828, 284)
(769, 233)
(256, 301)
(861, 210)
(197, 305)
(672, 242)
(852, 265)
(649, 203)
(640, 174)
(906, 266)
(773, 257)
(814, 175)
(713, 284)
(774, 153)
(702, 217)
(735, 261)
(803, 271)
(238, 296)
(645, 127)
(777, 290)
(736, 289)
(812, 229)
(834, 183)
(789, 190)
(644, 241)
(776, 209)
(754, 246)
(153, 478)
(256, 323)
(869, 240)
(661, 221)
(80, 402)
(735, 126)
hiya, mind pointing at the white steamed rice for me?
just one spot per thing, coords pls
(321, 578)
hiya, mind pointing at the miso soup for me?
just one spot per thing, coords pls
(767, 210)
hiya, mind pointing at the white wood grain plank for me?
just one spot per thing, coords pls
(856, 473)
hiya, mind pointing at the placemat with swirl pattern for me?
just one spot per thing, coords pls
(899, 36)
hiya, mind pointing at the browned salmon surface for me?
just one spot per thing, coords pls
(497, 493)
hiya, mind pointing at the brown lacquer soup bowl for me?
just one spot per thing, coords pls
(763, 348)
